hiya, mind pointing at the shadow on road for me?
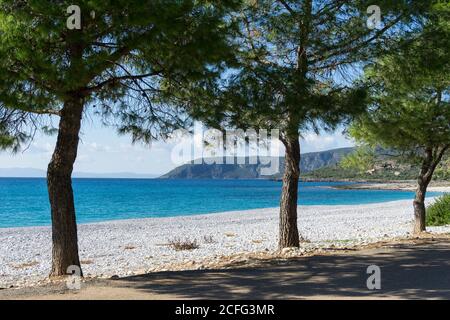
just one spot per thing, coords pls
(412, 270)
(409, 271)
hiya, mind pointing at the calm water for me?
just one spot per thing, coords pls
(24, 202)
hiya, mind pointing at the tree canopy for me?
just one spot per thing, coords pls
(298, 60)
(14, 129)
(124, 61)
(362, 160)
(409, 92)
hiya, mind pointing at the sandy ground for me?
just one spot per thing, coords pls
(410, 269)
(403, 185)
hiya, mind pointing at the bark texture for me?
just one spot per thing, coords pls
(59, 181)
(419, 206)
(289, 236)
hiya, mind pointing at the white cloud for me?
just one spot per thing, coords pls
(312, 142)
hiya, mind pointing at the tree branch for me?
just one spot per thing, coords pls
(288, 7)
(345, 47)
(121, 78)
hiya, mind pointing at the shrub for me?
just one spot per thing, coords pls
(181, 245)
(438, 214)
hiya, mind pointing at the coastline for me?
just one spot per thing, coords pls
(435, 186)
(130, 247)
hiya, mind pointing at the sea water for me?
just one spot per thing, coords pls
(24, 201)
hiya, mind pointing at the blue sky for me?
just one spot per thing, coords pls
(101, 150)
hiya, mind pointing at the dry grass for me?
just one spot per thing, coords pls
(183, 244)
(25, 265)
(230, 234)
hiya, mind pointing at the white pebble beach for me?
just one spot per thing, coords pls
(136, 246)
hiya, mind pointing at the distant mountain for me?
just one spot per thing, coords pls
(309, 162)
(37, 173)
(387, 165)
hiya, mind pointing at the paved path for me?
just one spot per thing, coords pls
(412, 270)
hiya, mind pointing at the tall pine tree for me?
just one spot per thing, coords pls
(297, 62)
(121, 58)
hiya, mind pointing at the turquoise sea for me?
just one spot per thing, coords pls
(24, 201)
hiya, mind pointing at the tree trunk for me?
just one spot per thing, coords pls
(419, 207)
(59, 181)
(423, 181)
(289, 236)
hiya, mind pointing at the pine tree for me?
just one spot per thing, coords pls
(410, 102)
(297, 61)
(121, 58)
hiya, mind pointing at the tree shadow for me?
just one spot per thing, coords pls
(408, 271)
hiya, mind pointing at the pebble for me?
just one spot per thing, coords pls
(321, 226)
